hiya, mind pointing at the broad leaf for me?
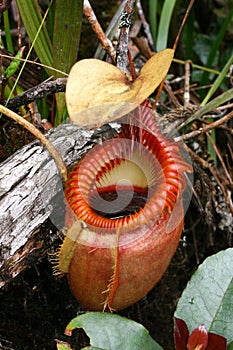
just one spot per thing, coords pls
(98, 84)
(108, 331)
(66, 35)
(208, 297)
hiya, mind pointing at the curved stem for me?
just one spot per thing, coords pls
(49, 146)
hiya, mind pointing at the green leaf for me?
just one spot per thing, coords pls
(208, 297)
(13, 66)
(188, 36)
(153, 17)
(213, 53)
(66, 35)
(202, 46)
(9, 42)
(62, 345)
(216, 102)
(164, 24)
(32, 19)
(230, 346)
(113, 332)
(218, 81)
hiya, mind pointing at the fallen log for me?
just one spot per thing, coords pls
(31, 197)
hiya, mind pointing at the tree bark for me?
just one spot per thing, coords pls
(31, 197)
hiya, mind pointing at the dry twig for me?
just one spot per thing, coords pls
(220, 158)
(215, 174)
(103, 39)
(206, 128)
(39, 91)
(146, 26)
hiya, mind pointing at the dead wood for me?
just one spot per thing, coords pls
(39, 91)
(31, 197)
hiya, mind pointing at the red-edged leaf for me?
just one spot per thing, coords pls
(216, 342)
(181, 334)
(198, 339)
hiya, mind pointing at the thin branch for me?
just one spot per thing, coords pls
(103, 39)
(111, 31)
(183, 23)
(220, 158)
(174, 48)
(145, 24)
(216, 102)
(214, 172)
(50, 148)
(227, 106)
(34, 62)
(39, 91)
(122, 57)
(206, 128)
(187, 83)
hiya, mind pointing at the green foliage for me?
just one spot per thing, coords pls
(160, 29)
(208, 297)
(9, 43)
(36, 30)
(206, 43)
(66, 35)
(218, 81)
(213, 53)
(14, 65)
(57, 47)
(153, 18)
(112, 332)
(164, 24)
(217, 101)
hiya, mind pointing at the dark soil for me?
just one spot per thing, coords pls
(12, 137)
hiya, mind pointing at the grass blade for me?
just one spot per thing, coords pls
(215, 47)
(153, 18)
(32, 19)
(9, 43)
(66, 36)
(218, 81)
(164, 24)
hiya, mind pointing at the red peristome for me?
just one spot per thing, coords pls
(122, 252)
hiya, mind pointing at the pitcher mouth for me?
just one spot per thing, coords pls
(127, 181)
